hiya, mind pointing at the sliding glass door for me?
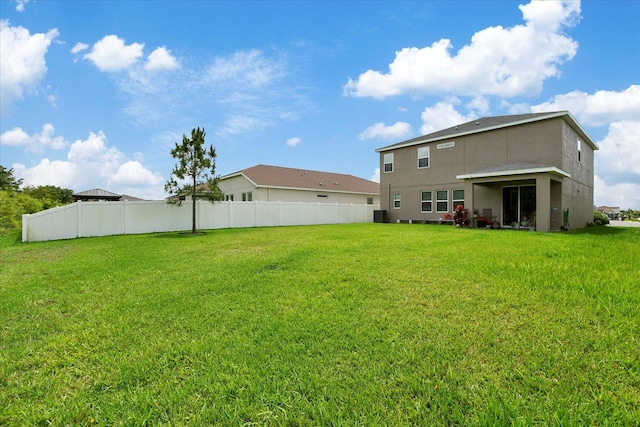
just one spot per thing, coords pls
(518, 203)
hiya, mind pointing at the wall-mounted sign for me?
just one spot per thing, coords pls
(446, 145)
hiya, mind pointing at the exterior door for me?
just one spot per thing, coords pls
(518, 203)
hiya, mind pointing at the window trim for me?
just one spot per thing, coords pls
(397, 198)
(428, 157)
(385, 162)
(456, 202)
(423, 201)
(438, 201)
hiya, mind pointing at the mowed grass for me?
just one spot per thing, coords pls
(341, 325)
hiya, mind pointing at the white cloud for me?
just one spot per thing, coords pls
(618, 159)
(22, 61)
(398, 130)
(441, 116)
(498, 61)
(91, 163)
(292, 142)
(79, 47)
(248, 68)
(599, 108)
(479, 104)
(20, 5)
(376, 175)
(111, 54)
(235, 125)
(36, 142)
(132, 173)
(161, 59)
(624, 195)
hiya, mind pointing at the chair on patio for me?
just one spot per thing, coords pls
(486, 219)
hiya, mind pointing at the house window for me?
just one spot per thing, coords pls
(442, 201)
(579, 150)
(457, 198)
(388, 162)
(396, 200)
(247, 197)
(423, 157)
(426, 201)
(369, 200)
(228, 197)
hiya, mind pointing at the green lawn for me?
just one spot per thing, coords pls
(365, 324)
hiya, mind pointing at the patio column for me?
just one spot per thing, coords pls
(543, 203)
(468, 198)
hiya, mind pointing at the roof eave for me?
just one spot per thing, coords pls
(323, 189)
(572, 120)
(552, 170)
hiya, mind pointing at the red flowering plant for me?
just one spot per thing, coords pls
(461, 216)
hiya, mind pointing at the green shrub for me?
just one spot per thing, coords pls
(599, 218)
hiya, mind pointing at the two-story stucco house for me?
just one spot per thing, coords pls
(528, 167)
(273, 183)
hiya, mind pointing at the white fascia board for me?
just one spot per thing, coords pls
(238, 174)
(551, 169)
(583, 134)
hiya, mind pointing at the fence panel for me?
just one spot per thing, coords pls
(109, 218)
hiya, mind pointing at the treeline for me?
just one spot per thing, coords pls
(16, 201)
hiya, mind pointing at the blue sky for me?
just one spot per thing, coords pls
(94, 94)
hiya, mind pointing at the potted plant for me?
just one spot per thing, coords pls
(532, 221)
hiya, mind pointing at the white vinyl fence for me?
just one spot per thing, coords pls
(110, 218)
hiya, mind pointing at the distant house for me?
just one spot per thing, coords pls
(273, 183)
(97, 195)
(514, 169)
(612, 212)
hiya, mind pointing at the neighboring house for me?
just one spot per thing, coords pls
(528, 167)
(98, 194)
(273, 183)
(612, 212)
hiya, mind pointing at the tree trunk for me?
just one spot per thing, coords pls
(193, 206)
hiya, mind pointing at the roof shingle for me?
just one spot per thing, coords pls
(280, 177)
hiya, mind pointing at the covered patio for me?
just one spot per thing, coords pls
(516, 195)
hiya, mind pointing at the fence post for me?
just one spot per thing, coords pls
(79, 218)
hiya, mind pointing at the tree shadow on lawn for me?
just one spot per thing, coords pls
(179, 235)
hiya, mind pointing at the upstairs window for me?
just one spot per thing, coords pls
(423, 157)
(388, 162)
(426, 201)
(442, 201)
(579, 150)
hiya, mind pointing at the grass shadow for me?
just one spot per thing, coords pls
(180, 235)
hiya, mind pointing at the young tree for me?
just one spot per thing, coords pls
(194, 174)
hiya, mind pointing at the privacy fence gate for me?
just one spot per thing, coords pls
(87, 219)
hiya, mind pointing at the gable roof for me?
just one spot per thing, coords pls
(303, 179)
(486, 124)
